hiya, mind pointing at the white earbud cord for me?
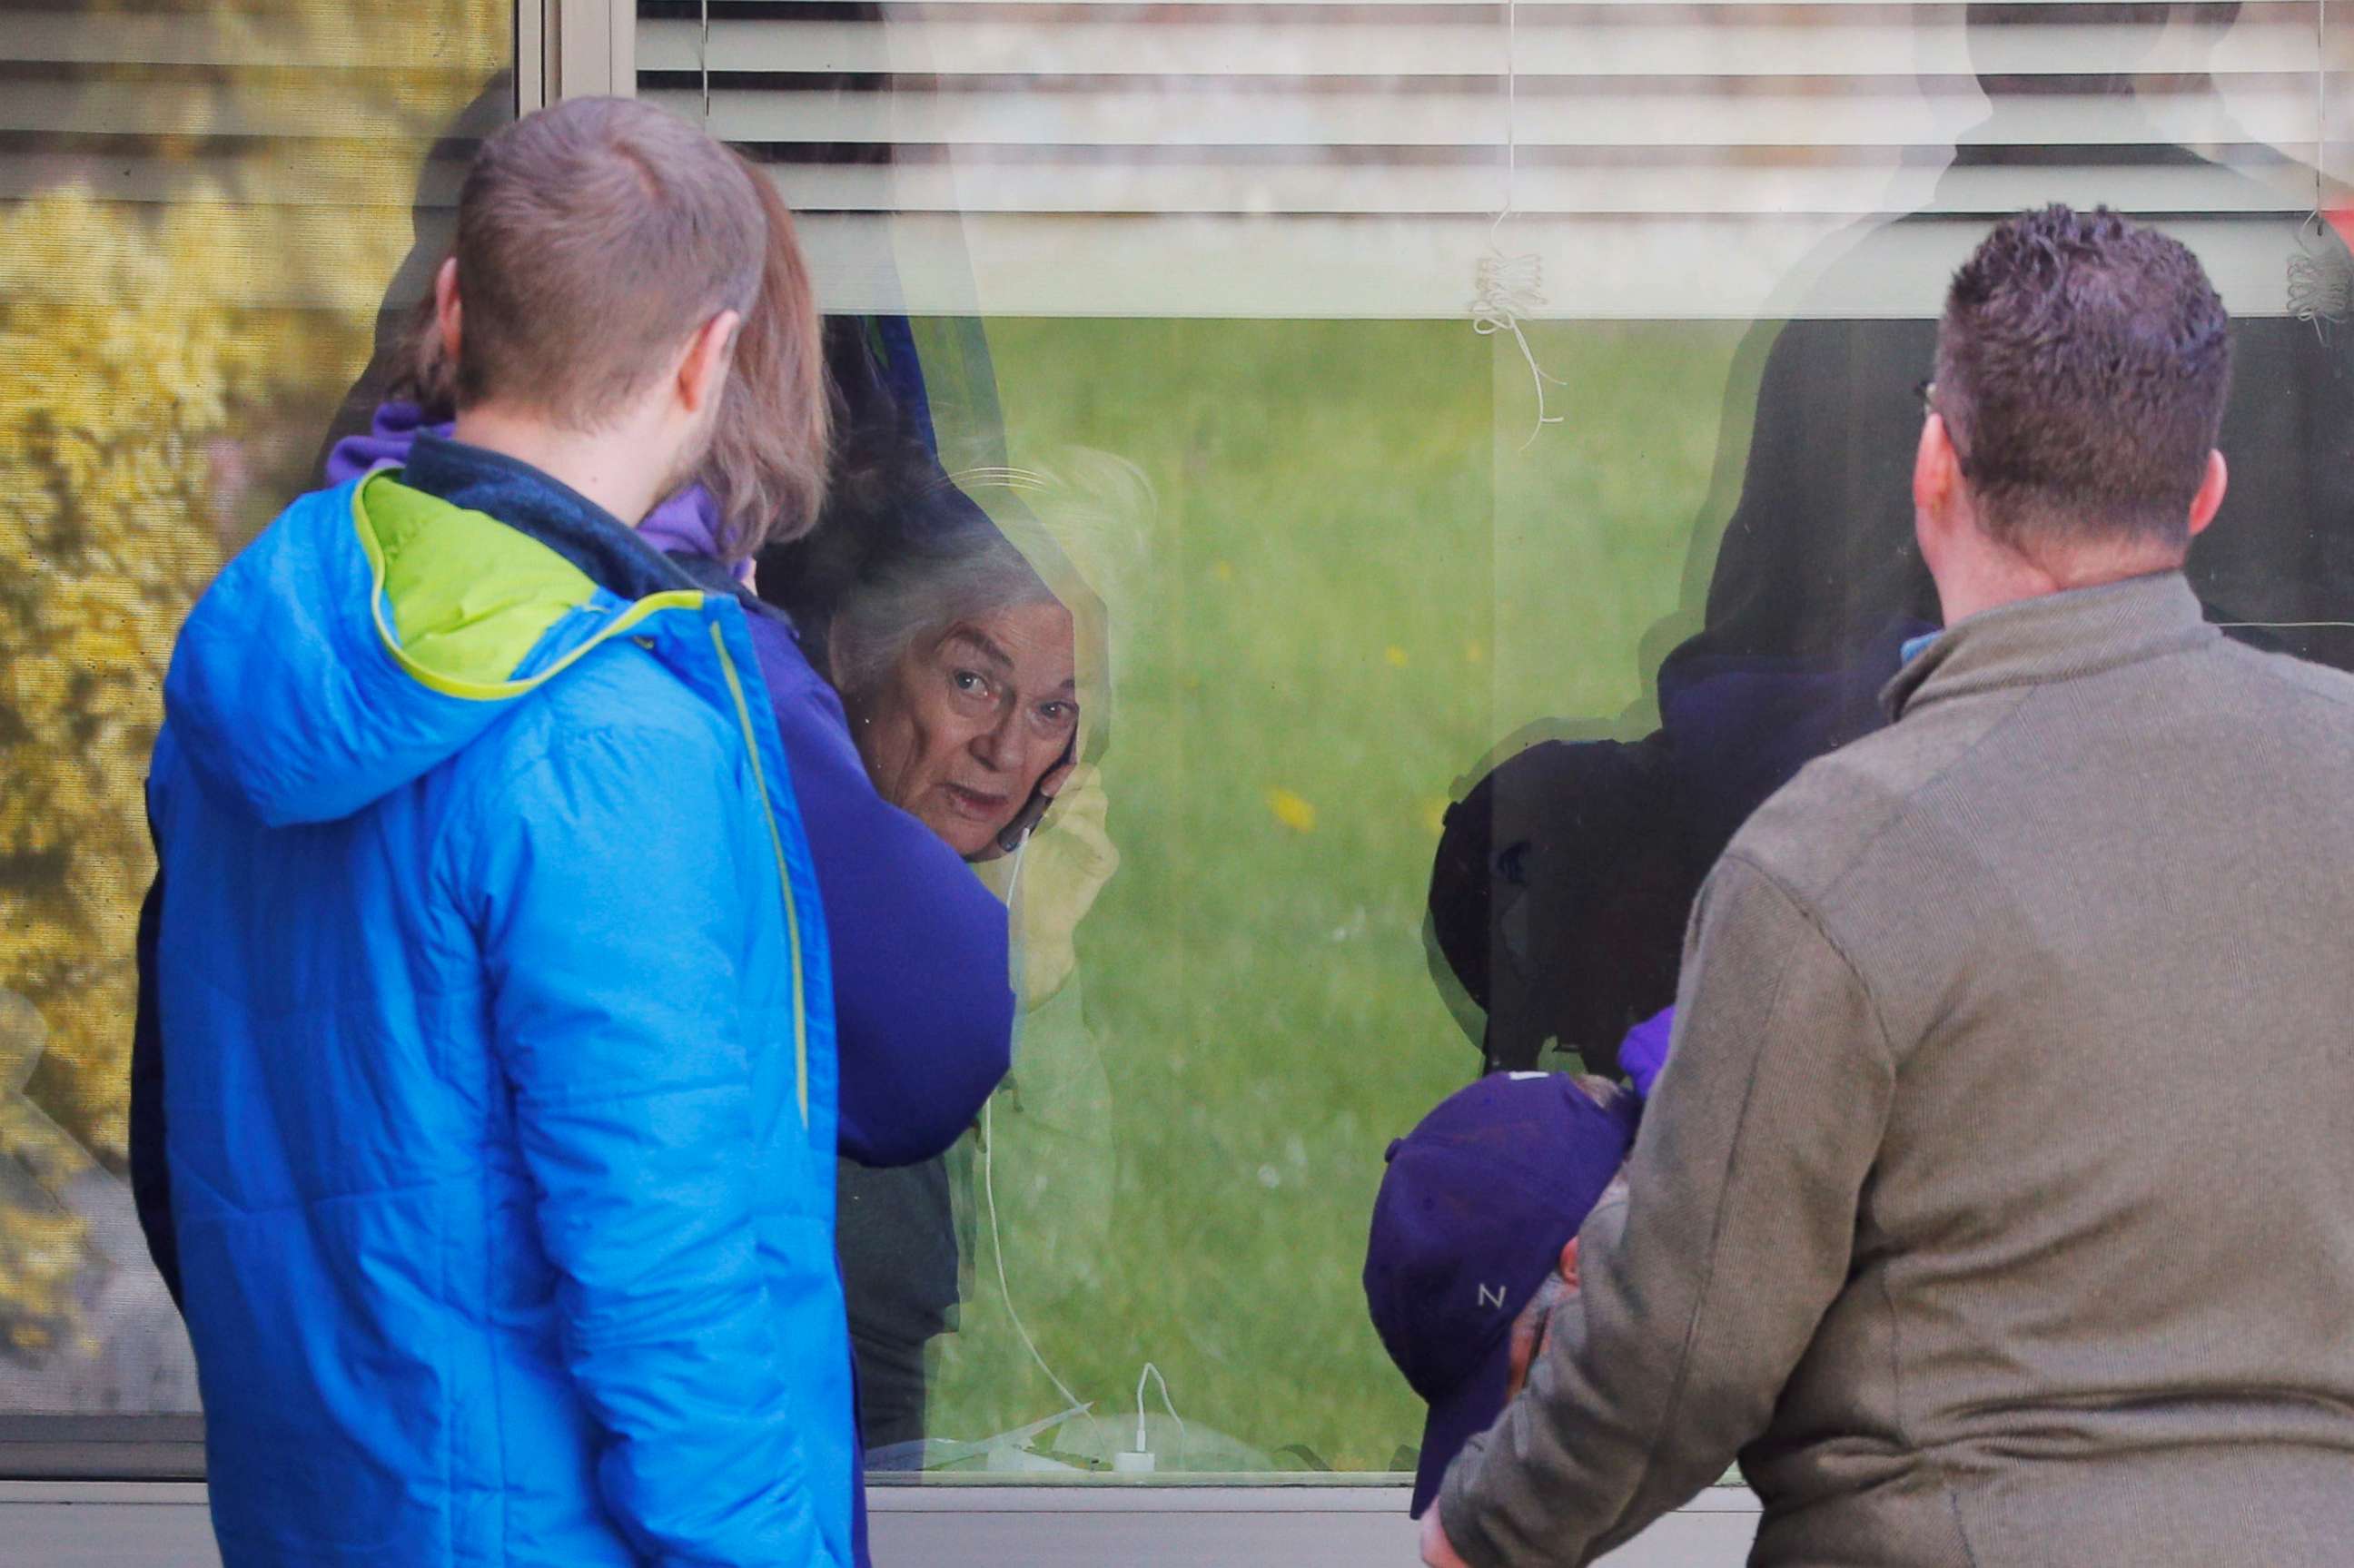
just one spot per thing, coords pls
(1184, 1441)
(988, 1200)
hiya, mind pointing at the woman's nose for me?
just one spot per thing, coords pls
(1001, 746)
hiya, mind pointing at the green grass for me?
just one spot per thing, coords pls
(1355, 585)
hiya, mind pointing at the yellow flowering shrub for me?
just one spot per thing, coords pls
(148, 351)
(112, 379)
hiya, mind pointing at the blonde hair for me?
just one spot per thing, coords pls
(768, 459)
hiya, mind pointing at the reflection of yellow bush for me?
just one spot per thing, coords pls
(113, 378)
(124, 383)
(40, 1257)
(40, 1239)
(144, 351)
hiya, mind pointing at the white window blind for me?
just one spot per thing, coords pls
(1350, 157)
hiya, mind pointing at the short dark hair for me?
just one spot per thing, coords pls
(2083, 366)
(593, 238)
(767, 467)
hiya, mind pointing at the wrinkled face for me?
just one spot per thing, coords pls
(966, 725)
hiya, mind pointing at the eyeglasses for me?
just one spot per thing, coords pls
(1927, 393)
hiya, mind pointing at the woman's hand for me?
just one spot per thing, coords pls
(1528, 1334)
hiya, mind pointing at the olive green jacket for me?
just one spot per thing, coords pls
(1996, 1208)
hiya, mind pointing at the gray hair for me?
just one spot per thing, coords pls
(959, 575)
(1602, 1091)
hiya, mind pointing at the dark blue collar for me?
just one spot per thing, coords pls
(544, 508)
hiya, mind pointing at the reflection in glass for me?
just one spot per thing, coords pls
(200, 209)
(1430, 716)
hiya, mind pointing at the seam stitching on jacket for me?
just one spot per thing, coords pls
(1815, 923)
(1708, 1278)
(495, 1090)
(1896, 1364)
(1716, 1231)
(1954, 1501)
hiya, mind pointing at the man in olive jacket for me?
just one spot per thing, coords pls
(1997, 1205)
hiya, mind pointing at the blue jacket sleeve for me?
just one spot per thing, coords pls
(923, 1005)
(615, 954)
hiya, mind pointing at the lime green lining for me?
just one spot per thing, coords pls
(540, 587)
(468, 597)
(784, 876)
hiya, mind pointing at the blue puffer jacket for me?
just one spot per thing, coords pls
(491, 979)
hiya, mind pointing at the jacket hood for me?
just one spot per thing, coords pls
(364, 638)
(685, 524)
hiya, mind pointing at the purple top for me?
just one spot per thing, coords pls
(688, 522)
(1645, 1050)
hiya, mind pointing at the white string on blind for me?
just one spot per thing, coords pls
(1346, 157)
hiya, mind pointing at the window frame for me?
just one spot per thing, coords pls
(36, 1446)
(118, 1470)
(155, 1524)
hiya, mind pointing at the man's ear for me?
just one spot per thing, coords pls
(1569, 1263)
(2210, 499)
(1937, 484)
(446, 307)
(703, 368)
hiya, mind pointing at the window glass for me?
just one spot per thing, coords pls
(1469, 444)
(1455, 454)
(205, 212)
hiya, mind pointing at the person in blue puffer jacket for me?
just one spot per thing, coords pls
(916, 1061)
(488, 970)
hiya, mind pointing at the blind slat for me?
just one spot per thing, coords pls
(1354, 47)
(2281, 114)
(1316, 266)
(337, 37)
(1530, 11)
(1114, 187)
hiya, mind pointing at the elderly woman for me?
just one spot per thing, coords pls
(965, 661)
(958, 666)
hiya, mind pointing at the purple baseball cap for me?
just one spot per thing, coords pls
(1474, 1211)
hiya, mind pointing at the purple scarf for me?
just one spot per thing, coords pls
(685, 524)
